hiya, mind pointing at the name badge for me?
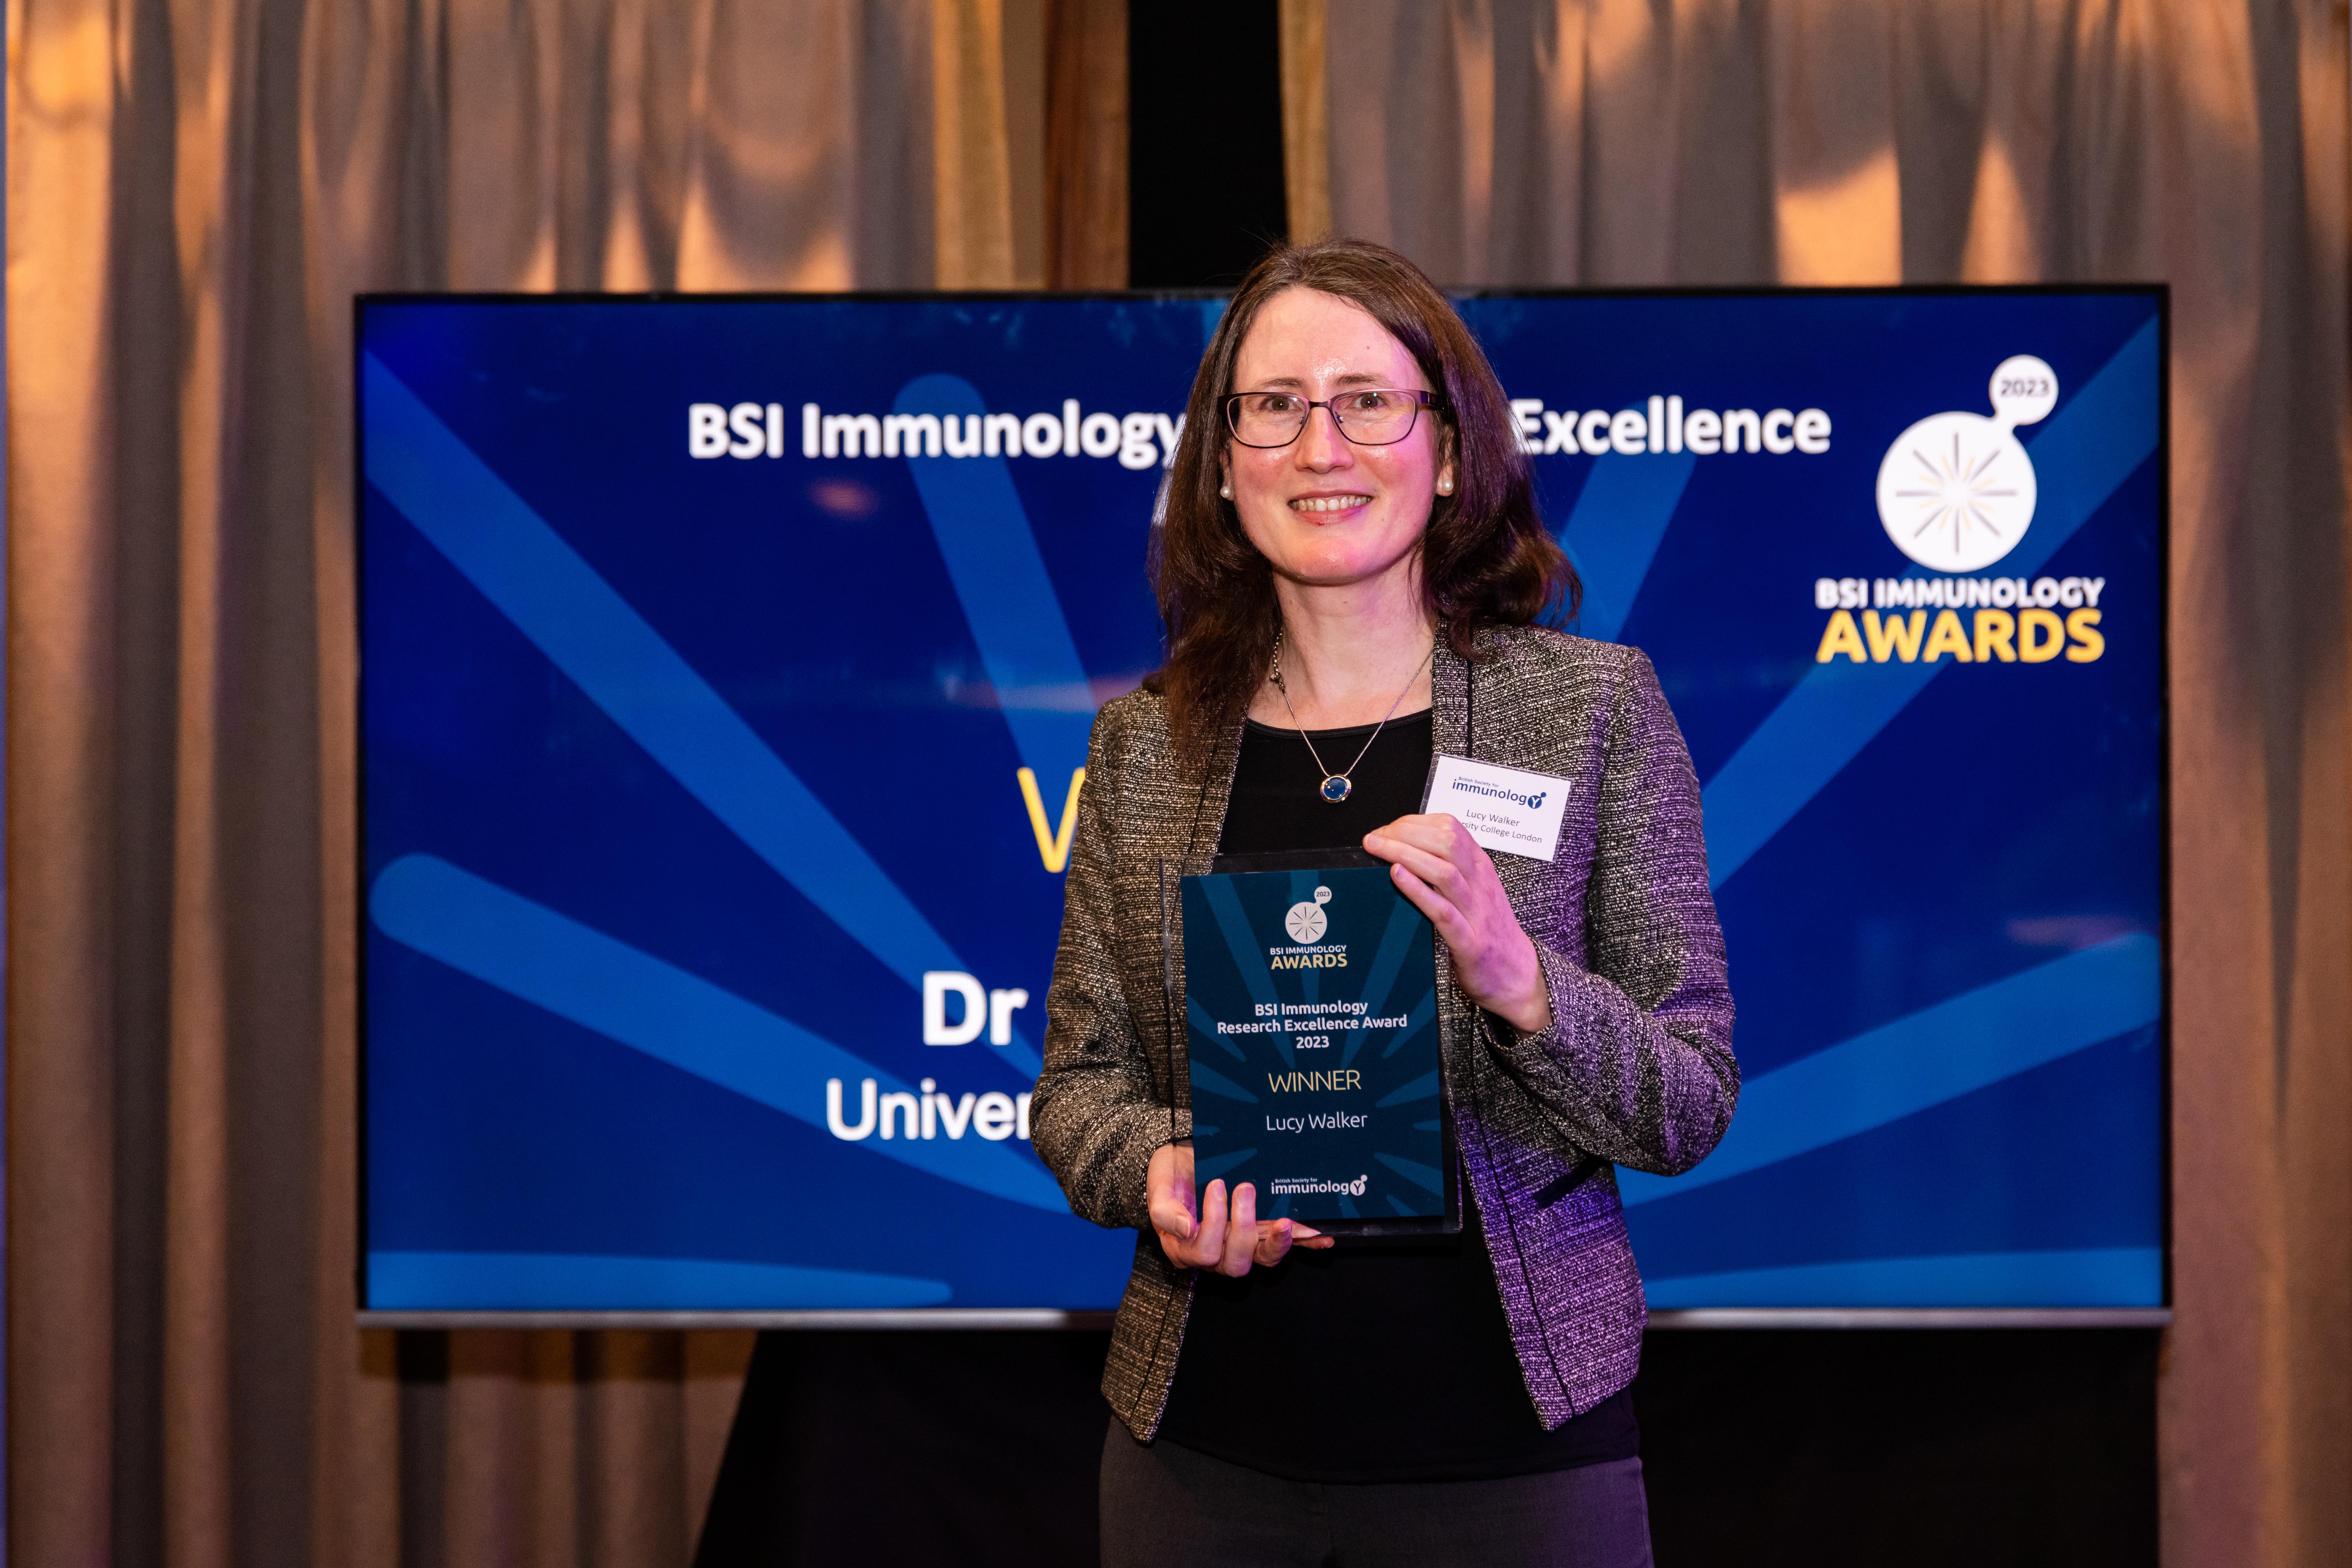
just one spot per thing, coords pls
(1505, 809)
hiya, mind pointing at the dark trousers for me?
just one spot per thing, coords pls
(1167, 1505)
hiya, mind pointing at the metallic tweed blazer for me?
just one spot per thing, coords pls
(1636, 1068)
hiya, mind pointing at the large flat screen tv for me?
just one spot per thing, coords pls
(728, 666)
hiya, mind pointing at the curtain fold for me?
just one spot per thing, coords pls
(1085, 143)
(197, 189)
(1305, 120)
(971, 150)
(1623, 142)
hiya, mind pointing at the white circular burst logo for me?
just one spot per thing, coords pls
(1955, 492)
(1307, 922)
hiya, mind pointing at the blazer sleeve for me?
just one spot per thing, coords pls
(1096, 1116)
(1636, 1066)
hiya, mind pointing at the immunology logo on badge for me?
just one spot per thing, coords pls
(1471, 786)
(1955, 492)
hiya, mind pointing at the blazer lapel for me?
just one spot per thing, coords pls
(1449, 702)
(1214, 791)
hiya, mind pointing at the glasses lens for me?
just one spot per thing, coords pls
(1268, 419)
(1373, 417)
(1376, 418)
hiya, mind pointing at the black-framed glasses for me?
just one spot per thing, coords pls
(1370, 416)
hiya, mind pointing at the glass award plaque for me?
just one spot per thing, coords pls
(1311, 996)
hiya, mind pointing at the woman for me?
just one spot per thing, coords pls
(1351, 573)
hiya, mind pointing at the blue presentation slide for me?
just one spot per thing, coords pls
(727, 671)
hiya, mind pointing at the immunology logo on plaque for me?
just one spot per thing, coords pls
(1311, 1000)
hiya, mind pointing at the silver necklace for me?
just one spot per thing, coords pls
(1337, 787)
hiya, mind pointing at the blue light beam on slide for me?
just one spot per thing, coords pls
(1380, 980)
(593, 636)
(1614, 532)
(577, 1282)
(2089, 1277)
(1939, 1054)
(1000, 580)
(2089, 449)
(553, 962)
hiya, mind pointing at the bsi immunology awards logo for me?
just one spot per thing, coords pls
(1307, 926)
(1307, 922)
(1955, 492)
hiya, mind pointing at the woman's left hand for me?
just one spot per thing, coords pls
(1435, 863)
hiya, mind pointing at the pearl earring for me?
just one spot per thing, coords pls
(1226, 492)
(1445, 485)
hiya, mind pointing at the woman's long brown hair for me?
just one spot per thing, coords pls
(1486, 558)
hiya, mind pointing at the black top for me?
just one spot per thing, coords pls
(1380, 1359)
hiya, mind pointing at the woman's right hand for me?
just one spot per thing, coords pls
(1202, 1235)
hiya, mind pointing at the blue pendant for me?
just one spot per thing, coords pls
(1335, 789)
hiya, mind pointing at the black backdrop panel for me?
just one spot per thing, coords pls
(1205, 193)
(1820, 1450)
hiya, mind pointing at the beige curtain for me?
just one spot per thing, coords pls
(1646, 141)
(1085, 143)
(195, 190)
